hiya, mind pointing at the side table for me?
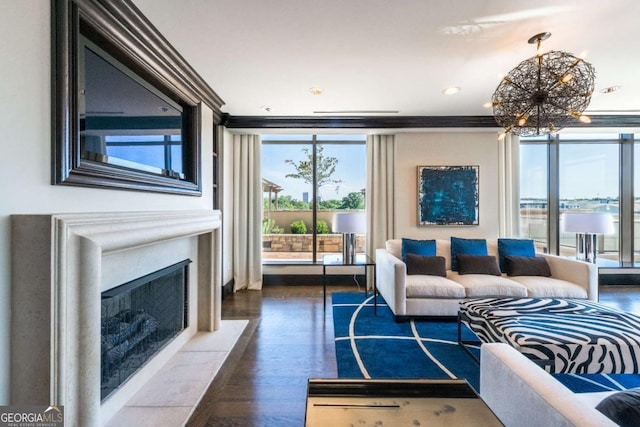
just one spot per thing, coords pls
(361, 260)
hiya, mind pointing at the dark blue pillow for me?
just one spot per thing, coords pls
(418, 247)
(460, 246)
(514, 247)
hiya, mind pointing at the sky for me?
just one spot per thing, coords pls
(586, 171)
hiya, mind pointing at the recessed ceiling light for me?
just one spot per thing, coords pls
(316, 90)
(451, 90)
(610, 89)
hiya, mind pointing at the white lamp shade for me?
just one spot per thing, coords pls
(349, 222)
(590, 223)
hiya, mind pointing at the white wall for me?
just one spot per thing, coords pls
(25, 147)
(440, 149)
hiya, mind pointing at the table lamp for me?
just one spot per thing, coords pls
(349, 223)
(587, 226)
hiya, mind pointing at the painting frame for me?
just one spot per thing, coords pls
(449, 195)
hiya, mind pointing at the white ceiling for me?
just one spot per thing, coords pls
(393, 55)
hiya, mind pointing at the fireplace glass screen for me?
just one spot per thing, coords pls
(138, 319)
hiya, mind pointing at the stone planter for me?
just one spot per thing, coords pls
(303, 243)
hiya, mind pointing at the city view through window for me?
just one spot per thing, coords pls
(589, 174)
(288, 183)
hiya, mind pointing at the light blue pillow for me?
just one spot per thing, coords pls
(418, 247)
(514, 247)
(460, 246)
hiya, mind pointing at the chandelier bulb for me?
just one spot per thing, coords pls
(566, 78)
(584, 118)
(523, 119)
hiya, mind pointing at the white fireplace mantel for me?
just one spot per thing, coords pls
(58, 273)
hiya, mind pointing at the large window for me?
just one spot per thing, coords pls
(306, 180)
(577, 173)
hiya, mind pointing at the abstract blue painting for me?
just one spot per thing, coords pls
(448, 195)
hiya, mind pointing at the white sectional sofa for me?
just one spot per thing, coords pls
(426, 295)
(522, 394)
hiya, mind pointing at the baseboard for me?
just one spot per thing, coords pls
(618, 279)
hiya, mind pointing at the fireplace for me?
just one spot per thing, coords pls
(138, 319)
(64, 266)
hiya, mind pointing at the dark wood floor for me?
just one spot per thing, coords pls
(289, 340)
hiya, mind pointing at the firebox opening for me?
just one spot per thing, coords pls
(138, 319)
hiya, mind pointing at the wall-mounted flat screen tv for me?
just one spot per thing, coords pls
(125, 121)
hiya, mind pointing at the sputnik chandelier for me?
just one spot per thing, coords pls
(544, 93)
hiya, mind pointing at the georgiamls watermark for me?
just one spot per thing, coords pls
(31, 416)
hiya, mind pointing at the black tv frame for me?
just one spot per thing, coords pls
(118, 27)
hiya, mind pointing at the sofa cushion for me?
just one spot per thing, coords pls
(428, 265)
(527, 266)
(478, 264)
(548, 287)
(622, 407)
(418, 247)
(421, 286)
(484, 285)
(514, 247)
(460, 246)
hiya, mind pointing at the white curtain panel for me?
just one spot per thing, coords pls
(380, 199)
(247, 212)
(509, 186)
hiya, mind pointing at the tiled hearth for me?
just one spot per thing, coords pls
(60, 265)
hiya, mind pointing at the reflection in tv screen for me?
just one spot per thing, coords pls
(126, 122)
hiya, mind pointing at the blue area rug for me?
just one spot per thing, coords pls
(375, 346)
(369, 346)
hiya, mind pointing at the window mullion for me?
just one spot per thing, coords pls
(626, 216)
(314, 191)
(553, 195)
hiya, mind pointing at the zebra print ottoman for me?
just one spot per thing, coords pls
(564, 336)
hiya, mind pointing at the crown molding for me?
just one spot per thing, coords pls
(356, 122)
(395, 122)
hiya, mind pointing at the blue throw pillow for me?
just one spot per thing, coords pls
(461, 246)
(514, 247)
(418, 247)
